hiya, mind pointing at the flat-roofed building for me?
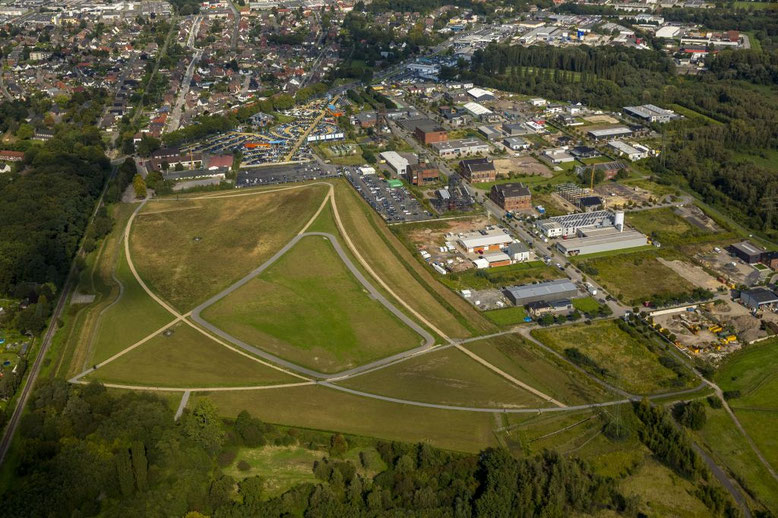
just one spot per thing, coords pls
(479, 94)
(650, 113)
(758, 297)
(570, 224)
(484, 241)
(511, 196)
(746, 251)
(593, 241)
(631, 151)
(547, 291)
(429, 132)
(518, 252)
(462, 147)
(610, 133)
(396, 162)
(516, 143)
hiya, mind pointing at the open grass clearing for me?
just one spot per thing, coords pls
(526, 362)
(586, 305)
(447, 377)
(281, 467)
(667, 227)
(635, 277)
(756, 5)
(187, 358)
(629, 363)
(663, 493)
(308, 308)
(322, 408)
(189, 249)
(408, 278)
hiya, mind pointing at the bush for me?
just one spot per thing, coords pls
(244, 466)
(616, 431)
(226, 457)
(731, 394)
(715, 402)
(691, 415)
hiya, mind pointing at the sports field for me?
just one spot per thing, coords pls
(445, 377)
(635, 277)
(192, 248)
(187, 358)
(627, 362)
(309, 309)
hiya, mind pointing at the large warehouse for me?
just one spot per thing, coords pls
(485, 241)
(570, 224)
(548, 291)
(592, 241)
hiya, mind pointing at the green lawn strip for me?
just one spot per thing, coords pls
(529, 364)
(132, 318)
(628, 362)
(322, 408)
(190, 249)
(586, 305)
(187, 358)
(447, 377)
(731, 450)
(507, 316)
(308, 308)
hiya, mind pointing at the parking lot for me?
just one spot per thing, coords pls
(394, 204)
(288, 173)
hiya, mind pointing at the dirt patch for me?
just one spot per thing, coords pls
(691, 273)
(600, 119)
(432, 240)
(523, 165)
(618, 195)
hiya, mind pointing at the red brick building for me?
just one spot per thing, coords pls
(478, 170)
(422, 174)
(511, 196)
(428, 132)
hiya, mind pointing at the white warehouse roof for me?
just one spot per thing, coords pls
(477, 109)
(488, 238)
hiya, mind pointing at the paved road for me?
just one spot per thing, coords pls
(175, 117)
(374, 293)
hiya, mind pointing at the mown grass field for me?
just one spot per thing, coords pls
(187, 358)
(133, 317)
(507, 316)
(189, 249)
(447, 377)
(526, 362)
(408, 278)
(308, 308)
(322, 408)
(586, 305)
(635, 277)
(630, 365)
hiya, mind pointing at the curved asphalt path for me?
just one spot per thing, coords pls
(374, 293)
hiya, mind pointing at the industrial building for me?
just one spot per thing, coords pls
(422, 174)
(511, 196)
(595, 240)
(518, 252)
(758, 298)
(429, 132)
(396, 162)
(540, 308)
(747, 252)
(484, 241)
(610, 133)
(463, 147)
(558, 155)
(570, 224)
(478, 170)
(631, 151)
(516, 143)
(479, 94)
(492, 260)
(650, 113)
(547, 291)
(478, 111)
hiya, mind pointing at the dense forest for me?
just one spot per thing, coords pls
(714, 153)
(46, 209)
(85, 451)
